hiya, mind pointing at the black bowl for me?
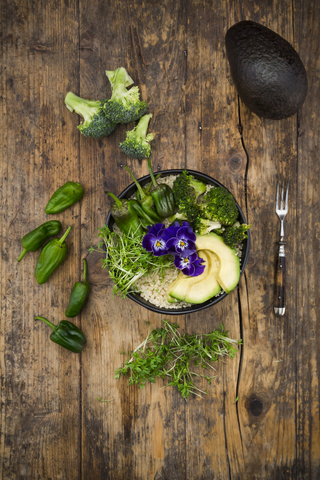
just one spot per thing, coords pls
(129, 191)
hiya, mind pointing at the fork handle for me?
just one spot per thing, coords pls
(279, 300)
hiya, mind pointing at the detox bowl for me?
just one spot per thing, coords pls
(131, 190)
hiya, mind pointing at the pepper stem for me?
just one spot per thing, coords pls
(46, 321)
(24, 251)
(151, 174)
(62, 239)
(142, 194)
(84, 269)
(116, 199)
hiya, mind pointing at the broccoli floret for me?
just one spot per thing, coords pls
(189, 212)
(235, 234)
(187, 189)
(207, 226)
(96, 124)
(220, 205)
(136, 144)
(124, 105)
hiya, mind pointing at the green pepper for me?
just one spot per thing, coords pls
(125, 216)
(162, 195)
(79, 294)
(146, 200)
(66, 334)
(33, 240)
(147, 188)
(64, 197)
(142, 214)
(51, 257)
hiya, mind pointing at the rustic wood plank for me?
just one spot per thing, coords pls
(267, 385)
(52, 424)
(40, 381)
(306, 358)
(214, 146)
(141, 433)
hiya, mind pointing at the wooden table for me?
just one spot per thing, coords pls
(52, 424)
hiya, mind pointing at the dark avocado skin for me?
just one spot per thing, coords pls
(268, 73)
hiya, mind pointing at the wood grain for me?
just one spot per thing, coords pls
(40, 394)
(52, 425)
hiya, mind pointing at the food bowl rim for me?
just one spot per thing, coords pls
(126, 193)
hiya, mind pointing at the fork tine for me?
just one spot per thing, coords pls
(277, 202)
(287, 193)
(282, 190)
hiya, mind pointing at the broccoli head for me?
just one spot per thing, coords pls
(136, 144)
(235, 234)
(96, 124)
(187, 189)
(124, 105)
(220, 205)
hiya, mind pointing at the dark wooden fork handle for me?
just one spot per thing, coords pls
(279, 300)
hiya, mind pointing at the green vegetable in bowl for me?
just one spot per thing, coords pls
(137, 144)
(217, 207)
(145, 199)
(125, 216)
(124, 105)
(127, 261)
(235, 234)
(162, 196)
(220, 205)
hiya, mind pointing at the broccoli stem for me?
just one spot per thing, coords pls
(140, 189)
(142, 127)
(80, 105)
(118, 202)
(118, 84)
(154, 182)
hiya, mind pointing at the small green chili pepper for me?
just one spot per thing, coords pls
(162, 196)
(142, 214)
(146, 200)
(147, 188)
(66, 334)
(33, 240)
(125, 216)
(51, 257)
(79, 294)
(64, 197)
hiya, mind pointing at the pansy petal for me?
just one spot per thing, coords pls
(156, 229)
(148, 242)
(186, 232)
(189, 270)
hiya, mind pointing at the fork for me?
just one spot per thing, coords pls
(281, 211)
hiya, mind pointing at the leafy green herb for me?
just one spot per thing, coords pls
(127, 260)
(236, 399)
(167, 353)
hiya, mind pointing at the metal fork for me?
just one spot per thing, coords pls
(281, 211)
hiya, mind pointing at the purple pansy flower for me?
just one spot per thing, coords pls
(180, 239)
(154, 242)
(190, 265)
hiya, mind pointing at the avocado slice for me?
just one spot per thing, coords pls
(208, 287)
(197, 289)
(179, 287)
(229, 273)
(267, 71)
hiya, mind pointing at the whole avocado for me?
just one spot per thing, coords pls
(268, 73)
